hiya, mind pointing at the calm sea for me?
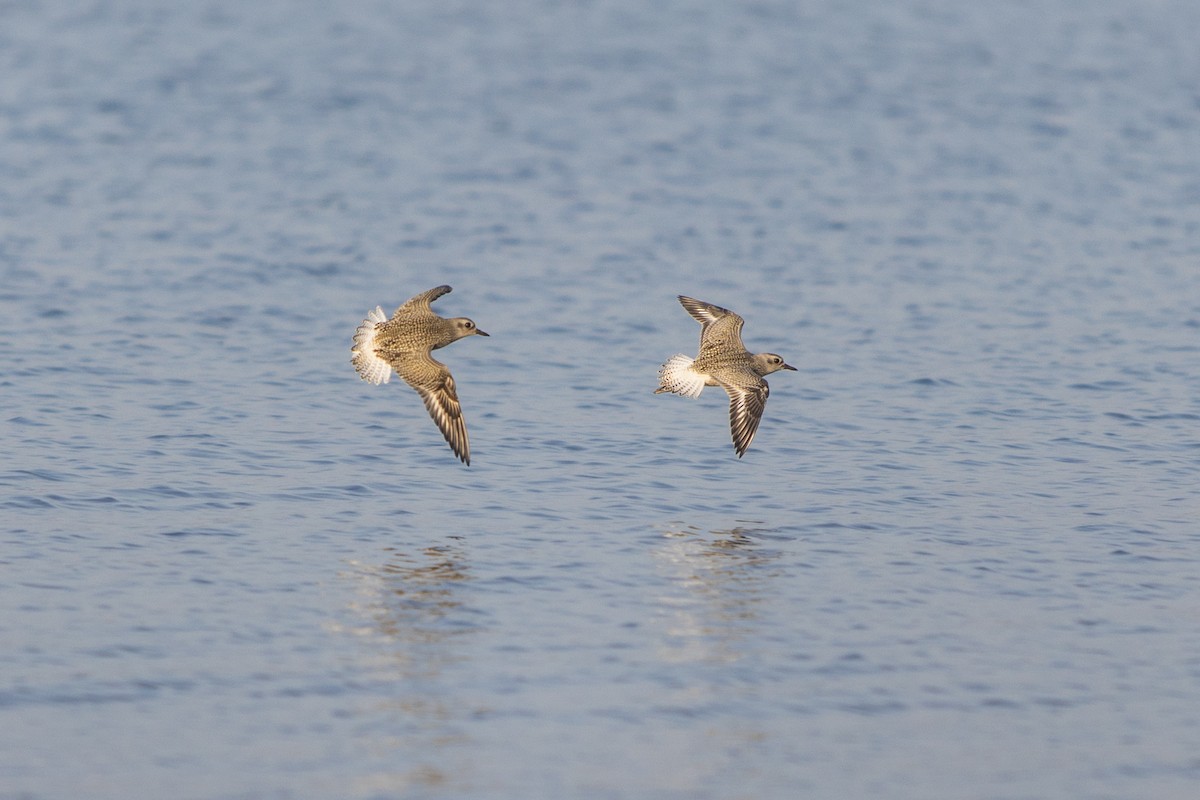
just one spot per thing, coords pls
(960, 561)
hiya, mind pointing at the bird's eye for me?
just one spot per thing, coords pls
(468, 325)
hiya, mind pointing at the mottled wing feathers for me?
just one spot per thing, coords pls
(433, 381)
(421, 302)
(721, 329)
(746, 404)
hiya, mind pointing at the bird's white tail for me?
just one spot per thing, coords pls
(677, 375)
(371, 367)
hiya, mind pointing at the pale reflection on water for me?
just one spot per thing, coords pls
(413, 632)
(719, 580)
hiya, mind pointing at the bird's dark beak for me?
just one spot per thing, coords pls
(481, 333)
(789, 366)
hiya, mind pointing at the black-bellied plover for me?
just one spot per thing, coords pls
(723, 361)
(403, 343)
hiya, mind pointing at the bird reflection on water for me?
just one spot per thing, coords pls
(419, 601)
(722, 578)
(417, 624)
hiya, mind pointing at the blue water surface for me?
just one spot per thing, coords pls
(959, 561)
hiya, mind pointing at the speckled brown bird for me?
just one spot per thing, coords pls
(404, 343)
(723, 361)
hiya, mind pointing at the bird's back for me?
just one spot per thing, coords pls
(721, 344)
(416, 330)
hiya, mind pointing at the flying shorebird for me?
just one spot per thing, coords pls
(723, 361)
(403, 343)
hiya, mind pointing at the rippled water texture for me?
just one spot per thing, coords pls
(959, 561)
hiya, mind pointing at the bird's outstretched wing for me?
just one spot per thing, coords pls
(433, 381)
(746, 404)
(720, 328)
(421, 302)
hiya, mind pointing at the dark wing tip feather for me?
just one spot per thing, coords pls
(437, 291)
(745, 413)
(701, 311)
(419, 303)
(443, 407)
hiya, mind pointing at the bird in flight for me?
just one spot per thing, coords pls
(723, 361)
(404, 343)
